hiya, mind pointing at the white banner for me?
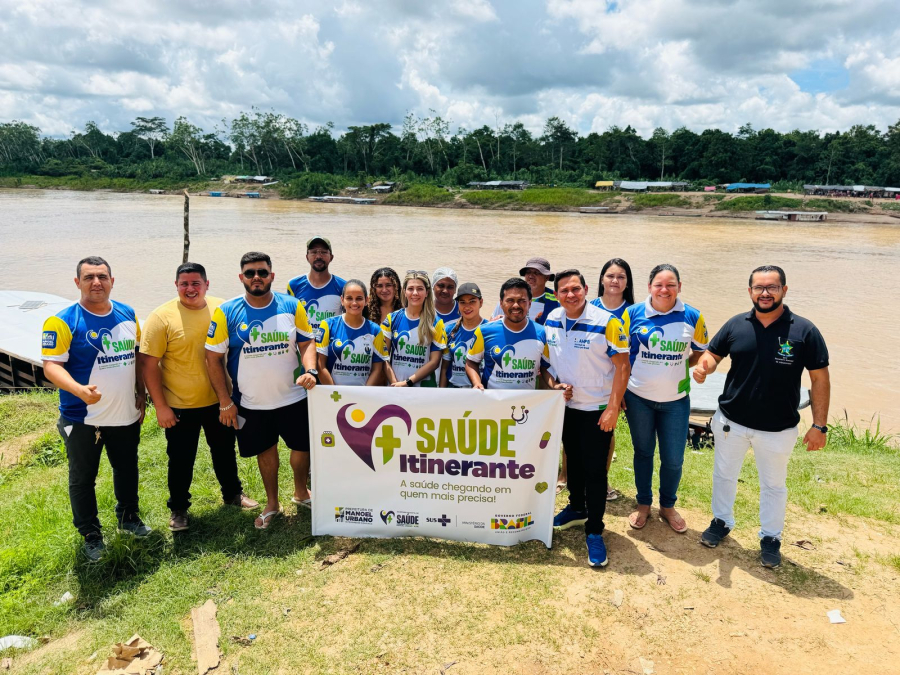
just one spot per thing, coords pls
(451, 463)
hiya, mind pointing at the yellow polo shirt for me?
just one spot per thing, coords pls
(177, 336)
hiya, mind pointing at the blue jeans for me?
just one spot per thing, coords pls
(668, 422)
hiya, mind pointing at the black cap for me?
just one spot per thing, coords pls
(468, 289)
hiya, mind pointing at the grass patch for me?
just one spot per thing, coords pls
(490, 198)
(760, 203)
(420, 194)
(891, 207)
(381, 604)
(651, 200)
(102, 183)
(565, 197)
(27, 412)
(836, 205)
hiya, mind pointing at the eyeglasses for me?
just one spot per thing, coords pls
(262, 273)
(771, 290)
(420, 272)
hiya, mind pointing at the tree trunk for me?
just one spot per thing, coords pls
(187, 228)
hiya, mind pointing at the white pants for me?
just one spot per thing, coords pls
(772, 450)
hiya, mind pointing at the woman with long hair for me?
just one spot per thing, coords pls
(414, 335)
(350, 347)
(461, 336)
(384, 294)
(667, 338)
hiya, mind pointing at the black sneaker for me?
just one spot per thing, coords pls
(135, 526)
(770, 552)
(715, 533)
(93, 546)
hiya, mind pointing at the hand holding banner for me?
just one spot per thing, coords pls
(449, 463)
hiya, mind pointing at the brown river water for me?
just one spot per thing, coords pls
(839, 275)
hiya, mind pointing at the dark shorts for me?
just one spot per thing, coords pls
(263, 427)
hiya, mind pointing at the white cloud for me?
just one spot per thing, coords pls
(648, 63)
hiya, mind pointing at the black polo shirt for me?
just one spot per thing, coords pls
(762, 388)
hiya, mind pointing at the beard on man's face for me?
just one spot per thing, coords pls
(771, 308)
(258, 289)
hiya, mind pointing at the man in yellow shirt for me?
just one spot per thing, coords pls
(173, 363)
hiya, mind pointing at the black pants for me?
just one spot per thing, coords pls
(587, 448)
(83, 449)
(182, 451)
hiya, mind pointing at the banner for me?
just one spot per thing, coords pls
(451, 463)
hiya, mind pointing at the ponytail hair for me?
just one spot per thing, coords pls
(665, 267)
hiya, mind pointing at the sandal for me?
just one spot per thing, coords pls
(633, 519)
(560, 486)
(302, 502)
(612, 494)
(263, 521)
(671, 523)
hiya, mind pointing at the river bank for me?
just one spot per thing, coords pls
(537, 199)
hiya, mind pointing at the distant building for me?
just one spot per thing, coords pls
(499, 185)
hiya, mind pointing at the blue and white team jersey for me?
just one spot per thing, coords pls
(260, 344)
(456, 354)
(581, 352)
(96, 350)
(350, 352)
(450, 318)
(512, 359)
(618, 312)
(407, 355)
(541, 306)
(661, 344)
(320, 303)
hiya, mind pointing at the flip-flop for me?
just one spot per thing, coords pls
(672, 525)
(631, 520)
(266, 519)
(612, 495)
(560, 486)
(302, 502)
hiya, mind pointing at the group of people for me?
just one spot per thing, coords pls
(239, 370)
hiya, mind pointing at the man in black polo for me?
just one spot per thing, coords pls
(769, 348)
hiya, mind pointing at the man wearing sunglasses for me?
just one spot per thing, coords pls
(319, 291)
(769, 346)
(258, 336)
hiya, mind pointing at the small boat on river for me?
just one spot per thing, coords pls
(22, 315)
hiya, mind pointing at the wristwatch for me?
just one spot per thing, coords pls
(314, 373)
(821, 427)
(409, 382)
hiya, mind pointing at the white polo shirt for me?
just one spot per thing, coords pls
(581, 351)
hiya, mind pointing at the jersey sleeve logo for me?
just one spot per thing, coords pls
(212, 330)
(48, 340)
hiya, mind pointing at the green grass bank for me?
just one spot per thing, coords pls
(270, 583)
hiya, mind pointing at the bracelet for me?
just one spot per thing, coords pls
(409, 382)
(227, 407)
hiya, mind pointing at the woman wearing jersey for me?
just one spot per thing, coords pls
(667, 338)
(461, 336)
(350, 347)
(414, 336)
(384, 294)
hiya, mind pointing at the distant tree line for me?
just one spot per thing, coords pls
(424, 148)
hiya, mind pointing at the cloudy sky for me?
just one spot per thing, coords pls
(785, 64)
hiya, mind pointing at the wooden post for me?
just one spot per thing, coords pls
(187, 227)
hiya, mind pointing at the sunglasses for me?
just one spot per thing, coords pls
(249, 274)
(421, 272)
